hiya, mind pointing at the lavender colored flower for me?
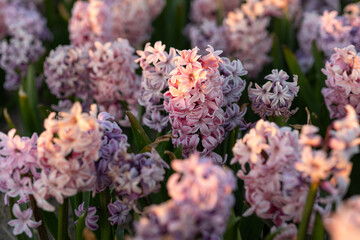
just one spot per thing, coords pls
(91, 217)
(286, 232)
(275, 97)
(23, 221)
(156, 64)
(17, 159)
(202, 10)
(201, 202)
(26, 28)
(66, 74)
(113, 78)
(342, 87)
(248, 39)
(207, 33)
(135, 176)
(132, 18)
(113, 140)
(118, 212)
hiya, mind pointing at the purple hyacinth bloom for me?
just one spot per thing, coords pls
(90, 219)
(118, 212)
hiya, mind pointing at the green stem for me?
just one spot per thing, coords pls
(63, 220)
(105, 229)
(305, 219)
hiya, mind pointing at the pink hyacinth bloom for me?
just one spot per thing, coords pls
(67, 151)
(342, 86)
(23, 223)
(194, 100)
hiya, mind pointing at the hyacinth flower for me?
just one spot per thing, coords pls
(67, 151)
(248, 39)
(342, 85)
(194, 101)
(344, 223)
(113, 140)
(113, 79)
(105, 21)
(90, 22)
(23, 222)
(26, 29)
(135, 176)
(201, 201)
(91, 217)
(66, 73)
(156, 66)
(118, 212)
(275, 97)
(279, 168)
(18, 164)
(329, 31)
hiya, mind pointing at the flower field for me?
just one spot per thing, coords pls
(180, 119)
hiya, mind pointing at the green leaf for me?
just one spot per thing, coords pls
(86, 197)
(63, 220)
(120, 234)
(141, 138)
(26, 112)
(276, 53)
(306, 92)
(232, 230)
(318, 231)
(251, 227)
(105, 229)
(31, 91)
(80, 226)
(50, 221)
(178, 152)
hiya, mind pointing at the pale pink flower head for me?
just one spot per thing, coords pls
(345, 222)
(342, 86)
(248, 39)
(194, 100)
(90, 22)
(23, 222)
(67, 151)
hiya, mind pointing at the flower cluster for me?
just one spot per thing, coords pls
(136, 175)
(209, 10)
(90, 22)
(332, 169)
(275, 97)
(232, 87)
(113, 141)
(26, 29)
(112, 77)
(18, 164)
(328, 31)
(273, 187)
(194, 101)
(201, 200)
(277, 166)
(67, 151)
(105, 74)
(66, 74)
(344, 223)
(342, 86)
(248, 39)
(108, 20)
(156, 66)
